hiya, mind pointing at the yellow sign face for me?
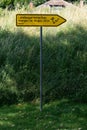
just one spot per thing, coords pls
(48, 20)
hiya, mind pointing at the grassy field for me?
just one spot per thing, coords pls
(59, 115)
(64, 65)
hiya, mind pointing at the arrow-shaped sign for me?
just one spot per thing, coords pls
(48, 20)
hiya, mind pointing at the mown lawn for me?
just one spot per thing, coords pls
(59, 115)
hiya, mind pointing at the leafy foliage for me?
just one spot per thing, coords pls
(8, 90)
(38, 2)
(4, 3)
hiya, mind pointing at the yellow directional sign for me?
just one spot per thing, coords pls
(48, 20)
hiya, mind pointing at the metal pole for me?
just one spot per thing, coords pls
(41, 66)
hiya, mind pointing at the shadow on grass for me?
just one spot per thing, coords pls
(64, 64)
(57, 115)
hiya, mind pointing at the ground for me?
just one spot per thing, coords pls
(58, 115)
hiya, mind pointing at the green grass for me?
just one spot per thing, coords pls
(64, 72)
(58, 115)
(64, 57)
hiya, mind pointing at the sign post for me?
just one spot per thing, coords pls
(41, 68)
(39, 20)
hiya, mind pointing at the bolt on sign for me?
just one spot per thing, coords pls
(47, 20)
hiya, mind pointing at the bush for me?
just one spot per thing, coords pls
(8, 95)
(21, 2)
(64, 65)
(8, 89)
(29, 93)
(4, 3)
(38, 2)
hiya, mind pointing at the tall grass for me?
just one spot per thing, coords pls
(64, 56)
